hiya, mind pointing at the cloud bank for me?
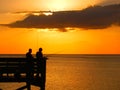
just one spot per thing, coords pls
(108, 2)
(97, 17)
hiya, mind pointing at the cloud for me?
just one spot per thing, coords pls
(97, 17)
(108, 2)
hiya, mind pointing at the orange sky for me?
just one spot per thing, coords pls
(77, 41)
(53, 5)
(17, 41)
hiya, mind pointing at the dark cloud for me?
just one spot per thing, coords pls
(108, 2)
(97, 17)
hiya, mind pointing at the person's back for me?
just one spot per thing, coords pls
(30, 63)
(39, 54)
(39, 57)
(29, 55)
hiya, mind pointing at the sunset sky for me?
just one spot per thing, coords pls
(60, 26)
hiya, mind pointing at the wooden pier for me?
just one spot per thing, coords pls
(16, 70)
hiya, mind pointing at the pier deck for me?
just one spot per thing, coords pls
(16, 70)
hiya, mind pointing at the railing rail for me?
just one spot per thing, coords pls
(16, 70)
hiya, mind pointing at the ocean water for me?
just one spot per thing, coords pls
(79, 72)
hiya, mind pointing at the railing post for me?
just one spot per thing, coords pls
(43, 74)
(28, 85)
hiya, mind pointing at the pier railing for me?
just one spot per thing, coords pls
(16, 70)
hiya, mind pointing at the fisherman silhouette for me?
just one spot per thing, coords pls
(29, 55)
(30, 68)
(30, 63)
(39, 56)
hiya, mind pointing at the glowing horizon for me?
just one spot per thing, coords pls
(55, 42)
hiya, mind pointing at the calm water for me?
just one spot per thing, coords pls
(79, 72)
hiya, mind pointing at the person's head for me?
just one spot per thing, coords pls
(30, 50)
(40, 49)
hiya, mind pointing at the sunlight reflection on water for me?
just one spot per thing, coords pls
(83, 74)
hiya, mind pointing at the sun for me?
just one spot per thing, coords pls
(58, 5)
(63, 5)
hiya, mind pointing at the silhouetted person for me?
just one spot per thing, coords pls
(29, 55)
(30, 63)
(39, 56)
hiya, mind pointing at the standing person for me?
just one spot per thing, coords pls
(29, 55)
(30, 68)
(41, 67)
(30, 63)
(39, 56)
